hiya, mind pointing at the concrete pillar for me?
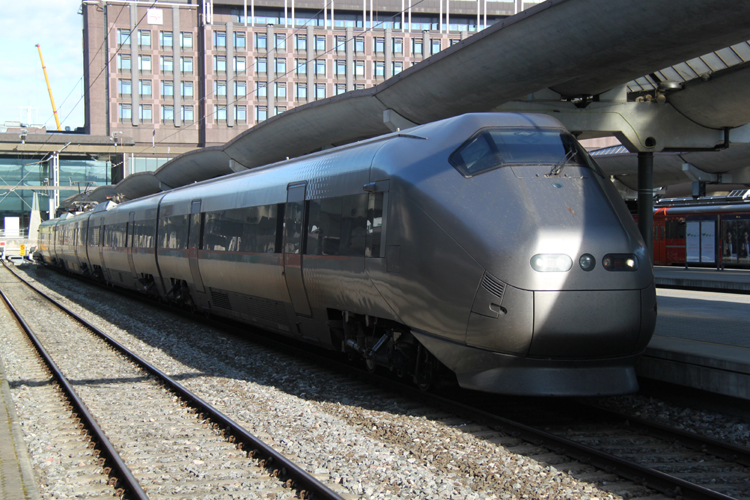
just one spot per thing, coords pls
(426, 49)
(388, 53)
(176, 66)
(349, 59)
(646, 200)
(310, 63)
(230, 74)
(271, 68)
(134, 72)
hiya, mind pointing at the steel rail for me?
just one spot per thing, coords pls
(691, 440)
(637, 473)
(303, 481)
(131, 487)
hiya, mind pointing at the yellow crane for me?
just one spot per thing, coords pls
(52, 99)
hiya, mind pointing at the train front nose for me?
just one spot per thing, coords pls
(592, 323)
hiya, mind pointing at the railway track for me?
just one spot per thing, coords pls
(618, 454)
(132, 428)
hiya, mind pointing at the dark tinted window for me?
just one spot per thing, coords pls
(338, 226)
(675, 229)
(173, 232)
(324, 227)
(114, 235)
(251, 229)
(493, 148)
(144, 234)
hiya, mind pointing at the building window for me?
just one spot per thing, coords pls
(186, 40)
(144, 64)
(240, 65)
(280, 66)
(340, 44)
(186, 89)
(340, 68)
(454, 41)
(320, 67)
(278, 110)
(435, 44)
(379, 45)
(359, 44)
(261, 41)
(144, 113)
(280, 41)
(167, 88)
(167, 64)
(144, 38)
(320, 43)
(125, 88)
(165, 39)
(359, 86)
(398, 45)
(220, 88)
(186, 114)
(379, 70)
(220, 112)
(239, 40)
(300, 91)
(240, 90)
(416, 47)
(186, 65)
(261, 65)
(220, 39)
(126, 112)
(261, 113)
(340, 89)
(280, 90)
(220, 64)
(300, 67)
(123, 63)
(300, 42)
(359, 68)
(398, 67)
(240, 114)
(320, 91)
(123, 37)
(260, 89)
(144, 88)
(167, 113)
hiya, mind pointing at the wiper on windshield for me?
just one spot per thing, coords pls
(561, 164)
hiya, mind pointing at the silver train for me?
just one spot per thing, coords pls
(490, 244)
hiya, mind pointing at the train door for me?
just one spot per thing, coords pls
(294, 231)
(129, 243)
(660, 250)
(194, 241)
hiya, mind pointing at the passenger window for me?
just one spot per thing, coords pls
(173, 232)
(354, 225)
(251, 229)
(324, 227)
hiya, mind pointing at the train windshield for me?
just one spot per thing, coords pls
(492, 148)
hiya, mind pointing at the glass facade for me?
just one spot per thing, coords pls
(75, 175)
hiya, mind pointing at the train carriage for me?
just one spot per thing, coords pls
(490, 244)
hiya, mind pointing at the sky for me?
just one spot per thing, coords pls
(57, 27)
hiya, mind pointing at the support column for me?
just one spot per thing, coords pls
(646, 200)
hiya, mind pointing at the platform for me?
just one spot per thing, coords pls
(702, 340)
(703, 278)
(16, 476)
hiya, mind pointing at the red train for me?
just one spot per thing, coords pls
(711, 231)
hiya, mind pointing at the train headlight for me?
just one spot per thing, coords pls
(620, 262)
(587, 262)
(551, 263)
